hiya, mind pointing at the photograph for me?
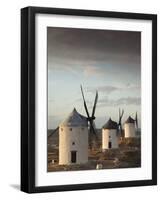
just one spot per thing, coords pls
(93, 99)
(89, 99)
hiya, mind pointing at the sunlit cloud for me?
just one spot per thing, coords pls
(119, 102)
(92, 70)
(108, 89)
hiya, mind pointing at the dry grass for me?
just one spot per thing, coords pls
(128, 155)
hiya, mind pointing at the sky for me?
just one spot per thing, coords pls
(104, 60)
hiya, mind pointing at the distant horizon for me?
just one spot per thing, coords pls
(96, 129)
(104, 60)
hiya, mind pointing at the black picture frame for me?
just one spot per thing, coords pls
(28, 98)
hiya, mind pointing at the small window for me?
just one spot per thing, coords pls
(82, 129)
(109, 136)
(73, 143)
(70, 129)
(61, 129)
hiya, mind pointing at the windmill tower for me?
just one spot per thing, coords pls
(92, 128)
(73, 139)
(109, 135)
(129, 126)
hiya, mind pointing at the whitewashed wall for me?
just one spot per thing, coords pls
(78, 135)
(109, 135)
(130, 130)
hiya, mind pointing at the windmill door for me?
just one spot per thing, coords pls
(73, 156)
(109, 145)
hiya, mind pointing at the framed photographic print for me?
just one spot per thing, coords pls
(88, 99)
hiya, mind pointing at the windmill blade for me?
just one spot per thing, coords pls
(120, 118)
(93, 132)
(120, 127)
(136, 120)
(94, 106)
(92, 129)
(122, 114)
(90, 119)
(94, 125)
(85, 105)
(93, 138)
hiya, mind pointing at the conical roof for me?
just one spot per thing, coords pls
(75, 119)
(130, 120)
(110, 125)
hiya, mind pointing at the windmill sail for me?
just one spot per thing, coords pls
(121, 113)
(91, 119)
(95, 103)
(85, 105)
(136, 120)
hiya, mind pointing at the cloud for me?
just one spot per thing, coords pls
(87, 51)
(121, 101)
(108, 89)
(89, 44)
(89, 103)
(92, 70)
(81, 100)
(76, 67)
(133, 87)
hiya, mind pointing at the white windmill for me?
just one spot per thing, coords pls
(109, 135)
(129, 127)
(73, 139)
(110, 130)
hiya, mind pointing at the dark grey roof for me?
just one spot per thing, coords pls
(75, 119)
(110, 125)
(130, 120)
